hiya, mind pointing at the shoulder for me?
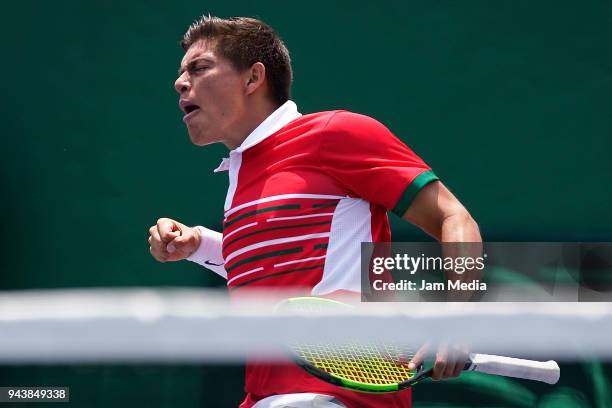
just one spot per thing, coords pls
(344, 122)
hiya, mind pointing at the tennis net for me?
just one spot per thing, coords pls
(189, 325)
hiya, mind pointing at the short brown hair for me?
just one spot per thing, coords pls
(245, 41)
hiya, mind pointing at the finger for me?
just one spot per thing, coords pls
(418, 358)
(155, 240)
(168, 229)
(440, 363)
(184, 243)
(178, 244)
(158, 255)
(449, 369)
(458, 368)
(461, 359)
(455, 361)
(156, 246)
(438, 370)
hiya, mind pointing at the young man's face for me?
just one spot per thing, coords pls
(212, 94)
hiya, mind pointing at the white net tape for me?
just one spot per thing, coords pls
(186, 325)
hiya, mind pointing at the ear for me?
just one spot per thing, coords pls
(256, 77)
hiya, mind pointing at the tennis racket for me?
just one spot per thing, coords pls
(383, 368)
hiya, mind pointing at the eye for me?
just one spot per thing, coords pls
(199, 69)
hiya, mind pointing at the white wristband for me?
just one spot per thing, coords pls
(209, 253)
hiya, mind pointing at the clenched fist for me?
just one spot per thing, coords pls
(170, 240)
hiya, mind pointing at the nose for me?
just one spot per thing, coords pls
(181, 84)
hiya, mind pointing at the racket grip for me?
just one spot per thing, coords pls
(545, 371)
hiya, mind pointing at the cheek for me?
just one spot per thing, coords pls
(227, 89)
(220, 98)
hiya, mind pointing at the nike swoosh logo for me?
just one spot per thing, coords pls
(212, 264)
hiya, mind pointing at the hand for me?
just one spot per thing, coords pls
(170, 240)
(450, 360)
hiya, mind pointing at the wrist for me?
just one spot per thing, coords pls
(208, 245)
(198, 239)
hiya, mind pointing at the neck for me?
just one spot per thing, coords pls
(255, 113)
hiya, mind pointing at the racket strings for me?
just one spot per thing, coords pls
(380, 364)
(374, 363)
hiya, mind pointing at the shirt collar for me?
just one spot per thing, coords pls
(286, 113)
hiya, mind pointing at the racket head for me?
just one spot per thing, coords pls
(365, 367)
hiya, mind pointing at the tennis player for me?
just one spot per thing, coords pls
(304, 192)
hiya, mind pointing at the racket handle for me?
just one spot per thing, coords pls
(545, 371)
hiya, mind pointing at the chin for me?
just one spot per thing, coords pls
(198, 142)
(199, 139)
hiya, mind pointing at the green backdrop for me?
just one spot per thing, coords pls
(509, 102)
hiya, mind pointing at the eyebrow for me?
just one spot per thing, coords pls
(191, 63)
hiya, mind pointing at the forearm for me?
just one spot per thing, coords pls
(438, 212)
(460, 238)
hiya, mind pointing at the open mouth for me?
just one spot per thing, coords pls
(190, 110)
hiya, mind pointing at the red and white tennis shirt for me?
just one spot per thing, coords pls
(304, 192)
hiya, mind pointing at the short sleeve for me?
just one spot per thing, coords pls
(371, 162)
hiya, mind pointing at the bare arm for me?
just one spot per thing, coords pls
(440, 214)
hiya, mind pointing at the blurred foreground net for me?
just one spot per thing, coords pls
(187, 326)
